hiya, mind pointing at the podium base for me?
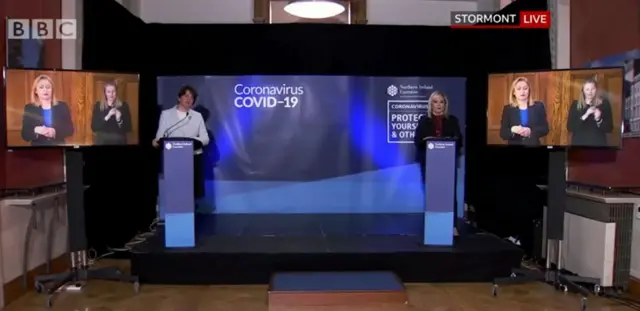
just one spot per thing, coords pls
(456, 236)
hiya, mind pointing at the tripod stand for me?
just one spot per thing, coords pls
(556, 200)
(553, 277)
(79, 273)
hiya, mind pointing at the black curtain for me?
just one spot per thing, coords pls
(172, 49)
(120, 201)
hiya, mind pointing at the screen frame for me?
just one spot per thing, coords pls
(557, 147)
(66, 146)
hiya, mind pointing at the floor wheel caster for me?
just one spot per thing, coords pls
(562, 287)
(494, 290)
(583, 304)
(513, 275)
(136, 287)
(49, 301)
(39, 287)
(597, 290)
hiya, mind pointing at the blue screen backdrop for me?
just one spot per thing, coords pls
(315, 144)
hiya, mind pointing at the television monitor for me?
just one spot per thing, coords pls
(53, 108)
(559, 108)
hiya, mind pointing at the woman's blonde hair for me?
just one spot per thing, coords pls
(513, 101)
(582, 102)
(446, 103)
(34, 96)
(104, 105)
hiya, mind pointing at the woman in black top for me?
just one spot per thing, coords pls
(45, 120)
(524, 121)
(437, 123)
(590, 118)
(111, 120)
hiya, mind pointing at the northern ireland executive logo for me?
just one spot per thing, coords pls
(392, 90)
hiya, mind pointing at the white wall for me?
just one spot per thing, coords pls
(391, 12)
(563, 34)
(415, 12)
(132, 5)
(72, 49)
(197, 11)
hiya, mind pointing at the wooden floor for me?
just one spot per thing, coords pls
(109, 296)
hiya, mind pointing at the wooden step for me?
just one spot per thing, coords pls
(335, 288)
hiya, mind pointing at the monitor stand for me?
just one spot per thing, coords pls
(80, 272)
(556, 201)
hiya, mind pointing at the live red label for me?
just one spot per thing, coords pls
(535, 19)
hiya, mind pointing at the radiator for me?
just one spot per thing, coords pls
(598, 236)
(635, 244)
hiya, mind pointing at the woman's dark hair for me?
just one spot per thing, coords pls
(188, 88)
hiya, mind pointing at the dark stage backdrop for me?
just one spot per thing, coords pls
(298, 49)
(315, 144)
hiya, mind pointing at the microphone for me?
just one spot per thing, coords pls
(172, 127)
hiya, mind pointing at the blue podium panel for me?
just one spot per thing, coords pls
(177, 198)
(440, 192)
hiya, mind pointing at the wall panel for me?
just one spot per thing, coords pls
(31, 168)
(598, 30)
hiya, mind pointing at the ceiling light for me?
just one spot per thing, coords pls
(314, 9)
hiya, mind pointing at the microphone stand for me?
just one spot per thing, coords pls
(170, 129)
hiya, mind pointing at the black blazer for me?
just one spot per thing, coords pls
(426, 128)
(33, 117)
(110, 132)
(537, 123)
(588, 132)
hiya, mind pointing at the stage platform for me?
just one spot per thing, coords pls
(249, 248)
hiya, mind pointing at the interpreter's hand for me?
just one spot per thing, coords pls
(50, 132)
(110, 114)
(525, 132)
(39, 130)
(597, 114)
(587, 113)
(516, 129)
(118, 115)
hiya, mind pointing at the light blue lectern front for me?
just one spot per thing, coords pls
(440, 183)
(177, 196)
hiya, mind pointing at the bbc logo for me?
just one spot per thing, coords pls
(22, 29)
